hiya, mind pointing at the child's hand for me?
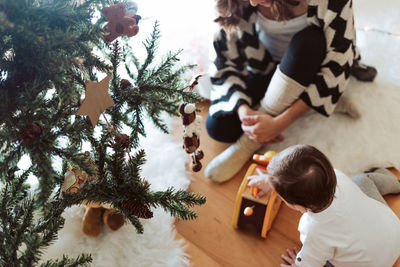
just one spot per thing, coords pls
(260, 181)
(290, 258)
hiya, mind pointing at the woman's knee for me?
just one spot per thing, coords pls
(305, 54)
(224, 128)
(311, 39)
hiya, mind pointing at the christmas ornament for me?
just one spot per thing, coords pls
(137, 209)
(30, 133)
(73, 180)
(118, 22)
(191, 134)
(122, 140)
(125, 84)
(194, 82)
(96, 100)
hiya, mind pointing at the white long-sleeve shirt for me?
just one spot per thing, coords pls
(354, 231)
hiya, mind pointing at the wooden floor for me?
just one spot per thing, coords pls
(212, 241)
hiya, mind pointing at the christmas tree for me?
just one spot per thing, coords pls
(51, 54)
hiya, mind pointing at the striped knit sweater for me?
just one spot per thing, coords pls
(242, 52)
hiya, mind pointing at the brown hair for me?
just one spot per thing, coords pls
(304, 176)
(230, 11)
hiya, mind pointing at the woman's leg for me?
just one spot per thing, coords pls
(228, 129)
(378, 183)
(299, 65)
(224, 128)
(301, 61)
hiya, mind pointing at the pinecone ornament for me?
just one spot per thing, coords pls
(125, 84)
(30, 133)
(122, 140)
(137, 209)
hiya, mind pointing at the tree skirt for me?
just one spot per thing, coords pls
(124, 247)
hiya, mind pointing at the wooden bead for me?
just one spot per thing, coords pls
(197, 167)
(199, 154)
(248, 211)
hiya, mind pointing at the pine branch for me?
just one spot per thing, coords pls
(82, 260)
(136, 162)
(22, 219)
(29, 256)
(151, 46)
(173, 201)
(117, 164)
(135, 222)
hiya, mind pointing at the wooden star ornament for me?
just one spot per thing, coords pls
(96, 100)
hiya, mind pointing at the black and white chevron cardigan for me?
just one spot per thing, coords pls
(243, 52)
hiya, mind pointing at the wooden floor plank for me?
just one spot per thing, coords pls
(197, 256)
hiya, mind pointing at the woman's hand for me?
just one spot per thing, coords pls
(262, 128)
(290, 258)
(246, 114)
(261, 182)
(244, 110)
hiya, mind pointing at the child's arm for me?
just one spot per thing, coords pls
(315, 251)
(260, 181)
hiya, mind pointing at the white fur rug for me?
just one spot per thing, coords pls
(124, 247)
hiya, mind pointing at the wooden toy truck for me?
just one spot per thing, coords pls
(252, 211)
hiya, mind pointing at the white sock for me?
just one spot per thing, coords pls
(378, 183)
(282, 92)
(224, 166)
(385, 181)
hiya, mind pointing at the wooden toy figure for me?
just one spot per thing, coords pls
(251, 211)
(191, 134)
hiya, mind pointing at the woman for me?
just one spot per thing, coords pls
(276, 59)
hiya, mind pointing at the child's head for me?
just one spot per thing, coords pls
(303, 176)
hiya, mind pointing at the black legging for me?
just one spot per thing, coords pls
(301, 61)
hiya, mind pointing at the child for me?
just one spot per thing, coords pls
(340, 224)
